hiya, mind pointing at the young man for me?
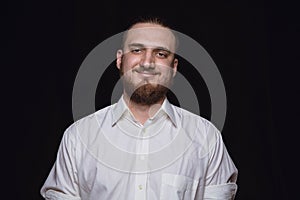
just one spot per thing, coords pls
(143, 147)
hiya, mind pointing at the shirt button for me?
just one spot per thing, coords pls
(140, 187)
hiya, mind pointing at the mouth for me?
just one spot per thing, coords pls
(147, 73)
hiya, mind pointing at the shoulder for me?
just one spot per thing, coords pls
(188, 118)
(202, 131)
(89, 123)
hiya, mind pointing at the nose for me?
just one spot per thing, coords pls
(147, 60)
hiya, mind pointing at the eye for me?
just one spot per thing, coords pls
(162, 54)
(136, 51)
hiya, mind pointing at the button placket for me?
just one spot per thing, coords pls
(142, 149)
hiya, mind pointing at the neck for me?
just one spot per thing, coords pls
(142, 112)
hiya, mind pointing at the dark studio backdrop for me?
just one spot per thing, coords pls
(254, 44)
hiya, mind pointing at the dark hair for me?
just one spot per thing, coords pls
(149, 19)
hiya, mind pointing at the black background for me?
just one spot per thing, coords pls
(254, 44)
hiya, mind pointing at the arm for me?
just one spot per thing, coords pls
(221, 175)
(62, 183)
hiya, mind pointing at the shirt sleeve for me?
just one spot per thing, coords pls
(62, 182)
(221, 176)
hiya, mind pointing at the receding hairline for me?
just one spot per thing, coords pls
(148, 24)
(149, 19)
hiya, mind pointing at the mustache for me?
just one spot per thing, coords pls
(142, 69)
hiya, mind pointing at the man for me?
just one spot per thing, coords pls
(143, 147)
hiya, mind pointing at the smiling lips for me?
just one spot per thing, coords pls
(146, 73)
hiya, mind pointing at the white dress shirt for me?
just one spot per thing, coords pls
(174, 155)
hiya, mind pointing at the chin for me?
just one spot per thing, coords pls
(149, 94)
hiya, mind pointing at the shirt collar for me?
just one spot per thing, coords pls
(169, 110)
(120, 108)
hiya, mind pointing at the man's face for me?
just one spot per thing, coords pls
(147, 62)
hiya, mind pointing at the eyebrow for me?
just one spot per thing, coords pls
(143, 46)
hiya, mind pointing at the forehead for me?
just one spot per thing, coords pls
(150, 35)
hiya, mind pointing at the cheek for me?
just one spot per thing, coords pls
(167, 71)
(129, 62)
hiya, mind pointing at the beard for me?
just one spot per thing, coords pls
(146, 93)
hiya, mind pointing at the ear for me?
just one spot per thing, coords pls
(119, 58)
(175, 63)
